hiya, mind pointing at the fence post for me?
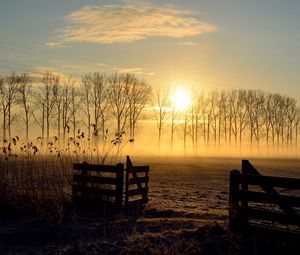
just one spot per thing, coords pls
(119, 186)
(234, 198)
(245, 170)
(146, 186)
(128, 166)
(84, 174)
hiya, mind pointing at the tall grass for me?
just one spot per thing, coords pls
(36, 179)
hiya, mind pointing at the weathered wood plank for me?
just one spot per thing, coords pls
(135, 192)
(280, 182)
(95, 179)
(280, 233)
(138, 180)
(254, 196)
(96, 168)
(280, 217)
(94, 191)
(138, 169)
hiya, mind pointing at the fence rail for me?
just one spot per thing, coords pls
(96, 168)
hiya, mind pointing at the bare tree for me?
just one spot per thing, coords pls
(99, 102)
(139, 93)
(8, 93)
(25, 91)
(160, 102)
(233, 107)
(67, 104)
(204, 108)
(174, 125)
(280, 118)
(186, 124)
(259, 120)
(222, 115)
(291, 105)
(118, 91)
(212, 115)
(296, 127)
(39, 114)
(199, 116)
(242, 114)
(75, 105)
(48, 97)
(58, 98)
(86, 99)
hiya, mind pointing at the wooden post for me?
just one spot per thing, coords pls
(84, 174)
(234, 198)
(128, 166)
(146, 186)
(119, 186)
(245, 170)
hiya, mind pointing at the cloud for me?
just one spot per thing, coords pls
(55, 45)
(38, 72)
(101, 64)
(193, 44)
(130, 21)
(135, 70)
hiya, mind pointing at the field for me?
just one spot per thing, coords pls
(199, 186)
(187, 213)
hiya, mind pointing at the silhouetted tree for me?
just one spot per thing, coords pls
(25, 91)
(86, 99)
(47, 97)
(99, 102)
(75, 105)
(160, 102)
(118, 94)
(67, 101)
(8, 94)
(138, 97)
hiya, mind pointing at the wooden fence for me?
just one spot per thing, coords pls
(136, 189)
(103, 186)
(255, 201)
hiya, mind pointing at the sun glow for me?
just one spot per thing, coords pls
(181, 100)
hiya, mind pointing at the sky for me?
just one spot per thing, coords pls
(202, 44)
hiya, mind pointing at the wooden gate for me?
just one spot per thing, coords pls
(256, 204)
(136, 185)
(103, 186)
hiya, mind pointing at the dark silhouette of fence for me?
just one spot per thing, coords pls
(136, 189)
(102, 186)
(255, 204)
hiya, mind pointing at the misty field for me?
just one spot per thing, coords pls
(187, 213)
(199, 186)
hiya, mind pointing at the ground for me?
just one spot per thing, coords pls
(187, 213)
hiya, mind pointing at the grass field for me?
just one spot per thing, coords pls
(199, 186)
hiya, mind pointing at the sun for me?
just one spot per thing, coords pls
(181, 99)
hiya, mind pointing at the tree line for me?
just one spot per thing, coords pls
(64, 108)
(230, 118)
(97, 104)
